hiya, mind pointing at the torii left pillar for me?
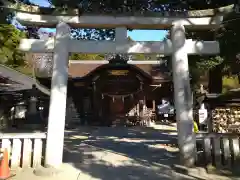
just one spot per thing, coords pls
(57, 109)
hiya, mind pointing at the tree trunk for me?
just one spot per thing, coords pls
(215, 80)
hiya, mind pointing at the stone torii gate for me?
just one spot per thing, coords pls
(178, 47)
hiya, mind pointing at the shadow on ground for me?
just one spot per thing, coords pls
(123, 153)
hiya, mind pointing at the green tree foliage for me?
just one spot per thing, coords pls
(199, 65)
(91, 34)
(9, 42)
(5, 14)
(229, 38)
(228, 61)
(141, 5)
(123, 6)
(82, 56)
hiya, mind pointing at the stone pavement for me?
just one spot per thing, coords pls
(118, 154)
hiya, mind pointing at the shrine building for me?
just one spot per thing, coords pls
(104, 91)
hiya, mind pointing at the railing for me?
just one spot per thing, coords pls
(26, 150)
(219, 149)
(220, 146)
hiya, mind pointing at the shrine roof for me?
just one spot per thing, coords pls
(12, 80)
(156, 72)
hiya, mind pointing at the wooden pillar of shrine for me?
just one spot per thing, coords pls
(94, 105)
(153, 105)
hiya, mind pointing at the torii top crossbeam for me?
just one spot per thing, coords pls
(96, 21)
(201, 19)
(49, 17)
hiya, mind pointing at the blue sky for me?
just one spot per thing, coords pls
(136, 35)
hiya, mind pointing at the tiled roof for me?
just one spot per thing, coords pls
(155, 71)
(12, 80)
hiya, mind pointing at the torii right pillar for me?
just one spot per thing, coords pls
(183, 97)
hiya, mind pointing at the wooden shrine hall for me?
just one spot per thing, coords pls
(104, 93)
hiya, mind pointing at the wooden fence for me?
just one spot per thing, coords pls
(219, 149)
(25, 149)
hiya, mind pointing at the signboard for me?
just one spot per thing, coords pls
(203, 114)
(165, 115)
(118, 72)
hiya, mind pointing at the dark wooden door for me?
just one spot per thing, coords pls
(116, 107)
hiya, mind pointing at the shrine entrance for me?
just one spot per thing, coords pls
(117, 107)
(117, 89)
(117, 112)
